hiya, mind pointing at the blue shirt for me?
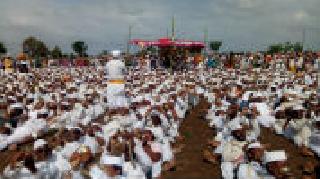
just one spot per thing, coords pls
(211, 63)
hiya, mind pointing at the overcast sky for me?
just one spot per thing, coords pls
(103, 24)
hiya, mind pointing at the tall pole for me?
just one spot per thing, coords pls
(129, 39)
(173, 28)
(205, 36)
(205, 39)
(303, 37)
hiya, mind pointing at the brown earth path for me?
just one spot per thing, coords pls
(190, 162)
(295, 159)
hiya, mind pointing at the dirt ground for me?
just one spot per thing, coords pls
(196, 131)
(295, 158)
(190, 161)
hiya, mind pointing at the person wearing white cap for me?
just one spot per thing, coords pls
(308, 79)
(232, 155)
(115, 70)
(110, 167)
(247, 171)
(317, 62)
(133, 171)
(245, 63)
(276, 163)
(303, 132)
(147, 65)
(143, 157)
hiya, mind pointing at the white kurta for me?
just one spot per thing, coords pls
(115, 91)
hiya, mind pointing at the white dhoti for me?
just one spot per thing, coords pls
(116, 96)
(115, 93)
(227, 170)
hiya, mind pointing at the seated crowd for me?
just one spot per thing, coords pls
(55, 122)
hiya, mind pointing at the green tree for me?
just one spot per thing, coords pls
(104, 52)
(285, 47)
(275, 48)
(71, 56)
(3, 49)
(34, 47)
(288, 46)
(65, 55)
(56, 52)
(215, 45)
(80, 48)
(298, 47)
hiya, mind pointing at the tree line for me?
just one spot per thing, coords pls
(271, 49)
(285, 47)
(34, 47)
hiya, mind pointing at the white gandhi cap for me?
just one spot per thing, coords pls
(275, 156)
(115, 53)
(111, 160)
(254, 145)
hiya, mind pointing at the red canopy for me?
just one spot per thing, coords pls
(165, 42)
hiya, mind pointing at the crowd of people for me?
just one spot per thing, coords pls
(293, 61)
(243, 102)
(124, 122)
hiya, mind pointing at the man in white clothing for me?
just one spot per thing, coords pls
(115, 70)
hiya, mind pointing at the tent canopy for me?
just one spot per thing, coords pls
(166, 42)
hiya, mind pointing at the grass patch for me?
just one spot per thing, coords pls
(187, 134)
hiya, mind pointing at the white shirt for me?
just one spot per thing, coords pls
(115, 69)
